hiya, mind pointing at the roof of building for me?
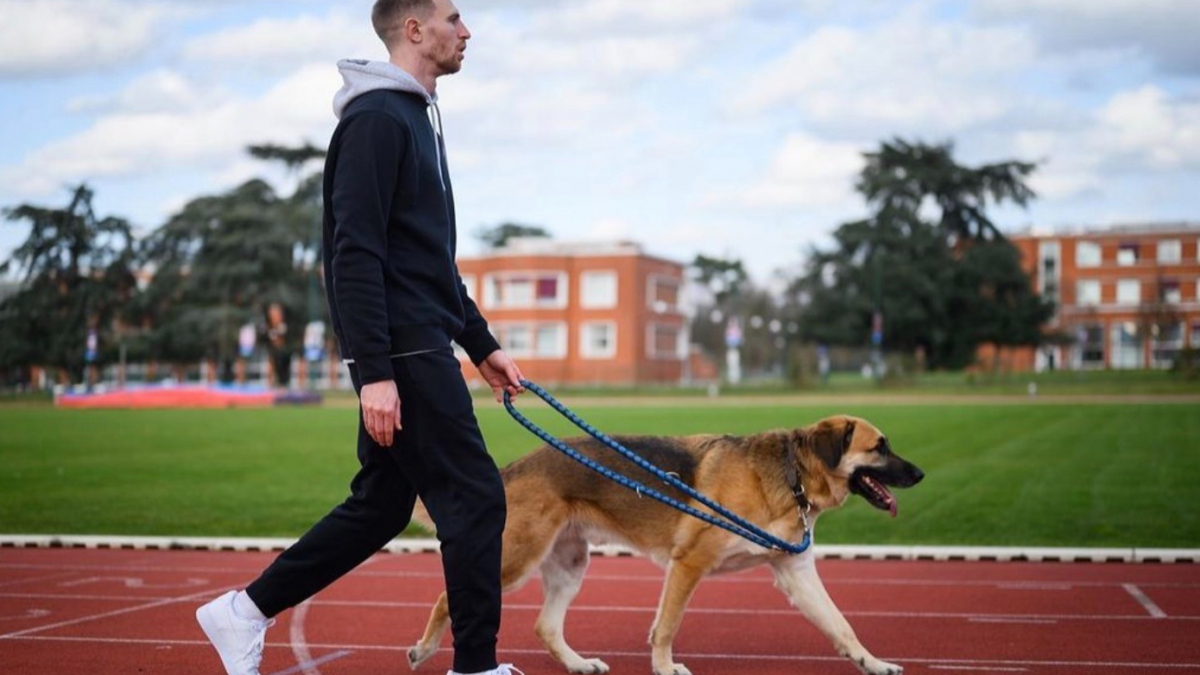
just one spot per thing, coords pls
(1158, 228)
(553, 248)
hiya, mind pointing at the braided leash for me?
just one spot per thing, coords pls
(732, 522)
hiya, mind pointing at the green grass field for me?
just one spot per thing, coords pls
(1004, 473)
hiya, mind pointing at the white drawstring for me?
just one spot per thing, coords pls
(435, 120)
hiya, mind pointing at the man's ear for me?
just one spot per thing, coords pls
(413, 31)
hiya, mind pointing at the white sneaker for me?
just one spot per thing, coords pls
(502, 669)
(238, 641)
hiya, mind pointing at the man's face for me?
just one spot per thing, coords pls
(446, 37)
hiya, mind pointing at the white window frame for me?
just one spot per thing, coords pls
(588, 349)
(1127, 297)
(653, 281)
(652, 343)
(468, 281)
(592, 280)
(1169, 251)
(1049, 285)
(1127, 256)
(1171, 294)
(1085, 299)
(533, 348)
(493, 300)
(1084, 254)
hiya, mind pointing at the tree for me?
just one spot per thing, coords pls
(76, 275)
(902, 178)
(733, 296)
(929, 262)
(496, 237)
(723, 278)
(218, 263)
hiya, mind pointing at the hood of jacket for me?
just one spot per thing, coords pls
(361, 76)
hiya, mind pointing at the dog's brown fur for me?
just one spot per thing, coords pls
(557, 507)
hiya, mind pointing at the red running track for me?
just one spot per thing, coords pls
(67, 611)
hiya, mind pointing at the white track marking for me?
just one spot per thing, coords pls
(304, 659)
(308, 666)
(992, 664)
(1143, 600)
(115, 612)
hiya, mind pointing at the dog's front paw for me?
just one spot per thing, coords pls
(419, 653)
(589, 667)
(873, 666)
(672, 669)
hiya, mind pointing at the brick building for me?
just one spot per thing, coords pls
(583, 313)
(1129, 297)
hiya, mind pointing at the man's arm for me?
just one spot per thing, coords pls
(361, 201)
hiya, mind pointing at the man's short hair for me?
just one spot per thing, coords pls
(388, 15)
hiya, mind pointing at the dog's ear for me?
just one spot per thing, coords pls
(831, 439)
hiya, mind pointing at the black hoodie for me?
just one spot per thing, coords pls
(389, 230)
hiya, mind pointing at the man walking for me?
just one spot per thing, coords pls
(396, 303)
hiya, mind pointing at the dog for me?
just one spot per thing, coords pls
(779, 480)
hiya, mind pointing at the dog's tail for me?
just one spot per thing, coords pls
(421, 517)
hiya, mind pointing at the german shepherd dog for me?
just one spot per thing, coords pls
(778, 480)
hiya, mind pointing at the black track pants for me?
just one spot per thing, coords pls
(440, 456)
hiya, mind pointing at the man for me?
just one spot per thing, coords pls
(396, 302)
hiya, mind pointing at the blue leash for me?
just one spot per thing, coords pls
(733, 522)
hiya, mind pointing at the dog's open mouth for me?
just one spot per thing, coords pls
(872, 489)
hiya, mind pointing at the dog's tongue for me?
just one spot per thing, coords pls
(881, 490)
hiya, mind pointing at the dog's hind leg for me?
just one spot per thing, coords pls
(797, 578)
(562, 575)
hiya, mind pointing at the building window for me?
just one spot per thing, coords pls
(1048, 277)
(533, 340)
(598, 290)
(663, 294)
(468, 281)
(1168, 292)
(1087, 293)
(1165, 344)
(1091, 346)
(1087, 254)
(665, 342)
(1170, 251)
(517, 290)
(1127, 254)
(598, 340)
(1126, 346)
(1195, 339)
(1129, 292)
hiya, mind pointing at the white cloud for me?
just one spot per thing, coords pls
(160, 91)
(56, 37)
(138, 143)
(907, 76)
(805, 172)
(590, 17)
(279, 44)
(1164, 30)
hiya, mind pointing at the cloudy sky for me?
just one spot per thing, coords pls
(726, 127)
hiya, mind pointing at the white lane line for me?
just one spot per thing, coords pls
(1000, 619)
(115, 612)
(1145, 601)
(989, 669)
(650, 609)
(36, 580)
(981, 663)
